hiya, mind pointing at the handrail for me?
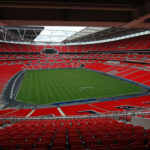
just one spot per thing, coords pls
(114, 115)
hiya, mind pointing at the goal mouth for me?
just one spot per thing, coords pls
(90, 88)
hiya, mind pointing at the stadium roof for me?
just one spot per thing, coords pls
(57, 33)
(46, 34)
(25, 21)
(65, 35)
(61, 33)
(86, 31)
(97, 13)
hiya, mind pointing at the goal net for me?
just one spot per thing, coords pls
(85, 88)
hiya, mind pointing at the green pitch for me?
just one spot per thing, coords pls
(59, 85)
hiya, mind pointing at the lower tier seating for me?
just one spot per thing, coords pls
(125, 70)
(74, 134)
(18, 113)
(122, 105)
(45, 112)
(7, 71)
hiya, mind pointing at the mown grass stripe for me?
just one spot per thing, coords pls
(58, 85)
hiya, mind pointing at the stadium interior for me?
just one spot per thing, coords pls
(75, 75)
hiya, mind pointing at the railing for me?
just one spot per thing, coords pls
(114, 115)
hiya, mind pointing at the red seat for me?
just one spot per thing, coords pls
(107, 141)
(137, 147)
(58, 148)
(42, 145)
(118, 147)
(25, 145)
(77, 147)
(35, 149)
(97, 147)
(7, 146)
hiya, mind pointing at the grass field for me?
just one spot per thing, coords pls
(58, 85)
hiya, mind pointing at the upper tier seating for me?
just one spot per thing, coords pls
(136, 43)
(44, 58)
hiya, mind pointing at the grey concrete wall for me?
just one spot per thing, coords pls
(139, 121)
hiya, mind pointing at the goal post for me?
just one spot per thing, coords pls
(83, 88)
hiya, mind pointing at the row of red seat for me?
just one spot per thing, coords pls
(43, 55)
(76, 58)
(73, 134)
(107, 107)
(133, 57)
(25, 112)
(136, 43)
